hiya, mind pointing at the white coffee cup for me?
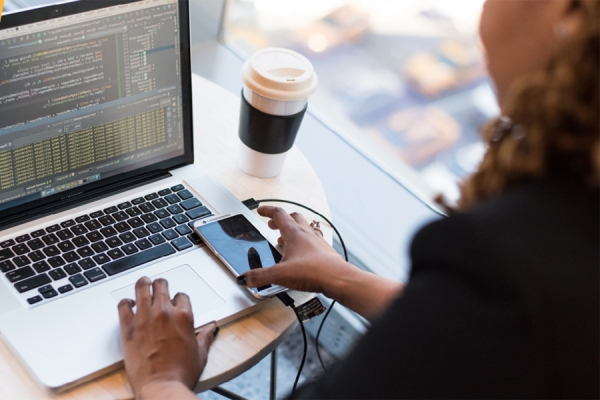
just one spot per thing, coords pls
(277, 84)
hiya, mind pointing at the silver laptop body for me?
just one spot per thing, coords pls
(95, 125)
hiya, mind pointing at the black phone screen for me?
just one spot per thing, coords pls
(240, 243)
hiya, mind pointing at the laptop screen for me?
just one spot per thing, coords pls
(91, 95)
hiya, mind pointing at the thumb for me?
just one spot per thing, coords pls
(206, 336)
(263, 276)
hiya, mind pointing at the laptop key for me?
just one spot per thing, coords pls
(190, 203)
(53, 228)
(121, 227)
(151, 196)
(194, 238)
(96, 214)
(157, 239)
(180, 218)
(134, 211)
(7, 243)
(57, 274)
(35, 244)
(124, 205)
(21, 261)
(94, 236)
(162, 213)
(20, 274)
(141, 232)
(71, 256)
(181, 243)
(36, 256)
(56, 262)
(120, 216)
(159, 203)
(50, 294)
(183, 230)
(135, 222)
(154, 227)
(170, 234)
(148, 218)
(78, 280)
(113, 242)
(34, 299)
(147, 207)
(86, 263)
(106, 220)
(101, 258)
(177, 188)
(65, 234)
(93, 225)
(110, 210)
(198, 213)
(143, 244)
(94, 275)
(85, 251)
(72, 269)
(41, 266)
(6, 266)
(185, 194)
(51, 251)
(127, 237)
(5, 254)
(80, 241)
(164, 192)
(32, 283)
(100, 247)
(38, 233)
(175, 209)
(79, 230)
(50, 239)
(82, 218)
(124, 264)
(167, 223)
(67, 223)
(129, 249)
(137, 201)
(172, 198)
(65, 246)
(65, 289)
(20, 249)
(23, 238)
(108, 231)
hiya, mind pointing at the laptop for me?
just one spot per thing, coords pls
(97, 182)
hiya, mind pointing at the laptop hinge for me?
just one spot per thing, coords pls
(87, 197)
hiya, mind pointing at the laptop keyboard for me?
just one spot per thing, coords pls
(104, 243)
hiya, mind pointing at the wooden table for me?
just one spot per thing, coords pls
(240, 344)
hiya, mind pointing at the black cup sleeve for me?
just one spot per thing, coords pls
(266, 133)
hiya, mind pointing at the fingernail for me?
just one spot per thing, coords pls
(216, 332)
(241, 280)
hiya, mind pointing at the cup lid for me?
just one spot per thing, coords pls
(280, 74)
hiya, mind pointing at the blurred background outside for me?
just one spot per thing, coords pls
(407, 77)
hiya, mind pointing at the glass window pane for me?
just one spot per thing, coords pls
(404, 75)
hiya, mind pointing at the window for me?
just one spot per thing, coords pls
(405, 78)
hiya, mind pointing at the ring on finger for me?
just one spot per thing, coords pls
(316, 225)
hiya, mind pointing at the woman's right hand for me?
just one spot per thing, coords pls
(309, 263)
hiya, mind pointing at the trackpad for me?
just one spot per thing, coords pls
(185, 280)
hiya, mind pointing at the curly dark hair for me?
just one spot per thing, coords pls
(555, 118)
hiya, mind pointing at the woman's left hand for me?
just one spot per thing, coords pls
(159, 344)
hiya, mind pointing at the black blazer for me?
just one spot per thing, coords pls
(502, 302)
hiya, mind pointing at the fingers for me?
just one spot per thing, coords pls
(280, 219)
(182, 300)
(264, 276)
(142, 293)
(160, 292)
(125, 308)
(300, 220)
(206, 336)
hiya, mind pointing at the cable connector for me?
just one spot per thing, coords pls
(286, 299)
(251, 204)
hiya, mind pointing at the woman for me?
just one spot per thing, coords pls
(503, 295)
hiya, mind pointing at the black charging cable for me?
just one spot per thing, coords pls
(253, 204)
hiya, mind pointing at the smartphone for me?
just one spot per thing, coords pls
(240, 246)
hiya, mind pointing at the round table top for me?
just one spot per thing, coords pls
(242, 343)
